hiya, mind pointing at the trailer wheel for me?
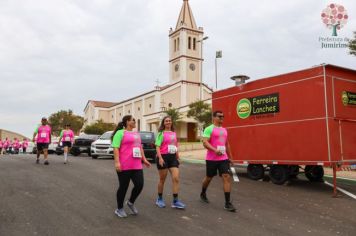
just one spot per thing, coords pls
(255, 171)
(293, 171)
(314, 173)
(279, 174)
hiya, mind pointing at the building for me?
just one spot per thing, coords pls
(185, 86)
(10, 135)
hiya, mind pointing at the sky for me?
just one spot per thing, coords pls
(58, 54)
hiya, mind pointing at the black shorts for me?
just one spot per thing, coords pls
(42, 146)
(212, 167)
(170, 161)
(67, 144)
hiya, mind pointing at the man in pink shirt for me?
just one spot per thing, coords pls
(42, 136)
(218, 158)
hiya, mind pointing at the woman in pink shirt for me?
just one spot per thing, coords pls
(67, 138)
(168, 156)
(24, 145)
(128, 155)
(1, 145)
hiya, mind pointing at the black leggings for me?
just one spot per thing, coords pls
(124, 180)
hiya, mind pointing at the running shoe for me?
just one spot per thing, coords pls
(132, 208)
(46, 162)
(203, 198)
(229, 207)
(121, 213)
(160, 203)
(178, 204)
(37, 161)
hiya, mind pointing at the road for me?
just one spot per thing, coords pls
(79, 199)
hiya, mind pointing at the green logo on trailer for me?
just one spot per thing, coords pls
(244, 108)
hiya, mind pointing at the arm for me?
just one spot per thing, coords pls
(208, 146)
(60, 137)
(228, 151)
(144, 160)
(117, 160)
(34, 134)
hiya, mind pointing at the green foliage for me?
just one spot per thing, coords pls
(201, 112)
(59, 119)
(174, 114)
(352, 45)
(99, 127)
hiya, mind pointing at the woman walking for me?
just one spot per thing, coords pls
(168, 156)
(128, 155)
(67, 138)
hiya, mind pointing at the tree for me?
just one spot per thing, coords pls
(352, 45)
(334, 16)
(99, 127)
(174, 114)
(59, 119)
(201, 112)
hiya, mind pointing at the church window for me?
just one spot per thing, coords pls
(175, 45)
(170, 105)
(189, 42)
(178, 43)
(194, 43)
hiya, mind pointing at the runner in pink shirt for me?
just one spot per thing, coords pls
(168, 156)
(1, 146)
(43, 139)
(16, 146)
(128, 155)
(67, 138)
(24, 145)
(217, 158)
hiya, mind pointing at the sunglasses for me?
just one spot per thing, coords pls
(221, 116)
(133, 120)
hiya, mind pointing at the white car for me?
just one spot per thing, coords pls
(102, 146)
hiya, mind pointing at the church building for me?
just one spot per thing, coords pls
(185, 85)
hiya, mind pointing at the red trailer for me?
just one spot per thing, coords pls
(304, 119)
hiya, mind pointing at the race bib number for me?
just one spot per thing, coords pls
(172, 149)
(222, 149)
(67, 139)
(136, 151)
(43, 135)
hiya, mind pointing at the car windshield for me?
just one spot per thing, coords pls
(106, 136)
(88, 136)
(146, 136)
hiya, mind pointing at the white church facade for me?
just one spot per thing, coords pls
(185, 86)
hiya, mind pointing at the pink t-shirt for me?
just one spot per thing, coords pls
(67, 136)
(6, 143)
(16, 144)
(217, 138)
(25, 144)
(43, 134)
(0, 144)
(129, 144)
(167, 142)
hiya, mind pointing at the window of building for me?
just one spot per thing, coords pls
(138, 108)
(129, 111)
(189, 42)
(194, 43)
(150, 106)
(178, 44)
(139, 125)
(170, 105)
(112, 116)
(120, 114)
(175, 45)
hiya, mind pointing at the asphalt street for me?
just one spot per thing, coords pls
(80, 198)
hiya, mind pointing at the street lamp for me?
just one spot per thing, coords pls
(218, 55)
(201, 73)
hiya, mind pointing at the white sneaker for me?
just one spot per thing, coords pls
(121, 213)
(132, 207)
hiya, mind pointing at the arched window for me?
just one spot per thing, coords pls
(189, 42)
(178, 43)
(175, 45)
(194, 43)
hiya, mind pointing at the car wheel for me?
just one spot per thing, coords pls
(94, 156)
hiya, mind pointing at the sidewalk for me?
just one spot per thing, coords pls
(198, 156)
